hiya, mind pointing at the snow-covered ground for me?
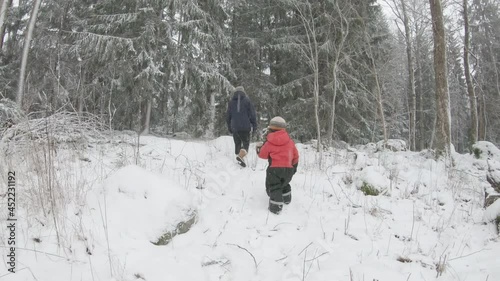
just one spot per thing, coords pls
(114, 199)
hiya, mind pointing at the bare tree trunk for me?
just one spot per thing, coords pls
(443, 131)
(26, 48)
(4, 7)
(344, 30)
(80, 90)
(421, 115)
(211, 125)
(373, 66)
(411, 78)
(473, 133)
(316, 109)
(378, 90)
(482, 117)
(148, 117)
(311, 51)
(329, 134)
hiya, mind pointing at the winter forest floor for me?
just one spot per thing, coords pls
(91, 213)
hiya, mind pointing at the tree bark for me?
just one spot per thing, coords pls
(421, 115)
(481, 134)
(329, 135)
(373, 66)
(26, 48)
(473, 133)
(4, 7)
(211, 124)
(411, 78)
(147, 122)
(344, 32)
(443, 120)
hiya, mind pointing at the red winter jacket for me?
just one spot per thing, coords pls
(280, 149)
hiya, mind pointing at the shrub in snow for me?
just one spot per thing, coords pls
(392, 144)
(59, 127)
(10, 110)
(181, 228)
(369, 189)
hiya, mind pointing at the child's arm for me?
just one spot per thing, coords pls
(295, 159)
(264, 151)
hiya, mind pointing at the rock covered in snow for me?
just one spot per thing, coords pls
(141, 206)
(369, 147)
(338, 144)
(486, 151)
(492, 213)
(392, 144)
(372, 177)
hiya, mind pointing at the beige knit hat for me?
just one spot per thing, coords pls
(239, 89)
(277, 123)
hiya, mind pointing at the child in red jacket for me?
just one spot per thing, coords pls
(283, 159)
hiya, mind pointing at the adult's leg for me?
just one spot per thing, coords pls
(237, 142)
(245, 138)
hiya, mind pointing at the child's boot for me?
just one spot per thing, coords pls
(275, 207)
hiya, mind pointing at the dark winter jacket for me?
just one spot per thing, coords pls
(240, 113)
(280, 150)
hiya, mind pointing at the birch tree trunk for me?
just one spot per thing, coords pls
(148, 117)
(4, 6)
(470, 88)
(377, 88)
(311, 52)
(443, 120)
(344, 31)
(329, 133)
(411, 78)
(481, 134)
(420, 115)
(26, 48)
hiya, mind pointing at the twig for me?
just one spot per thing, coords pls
(413, 222)
(45, 253)
(317, 257)
(31, 273)
(473, 253)
(310, 265)
(254, 260)
(304, 266)
(305, 248)
(281, 259)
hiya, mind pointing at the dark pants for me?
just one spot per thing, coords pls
(278, 187)
(241, 140)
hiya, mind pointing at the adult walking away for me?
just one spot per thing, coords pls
(283, 156)
(241, 119)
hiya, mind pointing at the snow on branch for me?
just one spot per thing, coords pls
(60, 127)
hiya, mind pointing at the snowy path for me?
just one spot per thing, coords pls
(330, 231)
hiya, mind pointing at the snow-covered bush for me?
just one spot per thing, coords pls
(392, 144)
(10, 110)
(61, 127)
